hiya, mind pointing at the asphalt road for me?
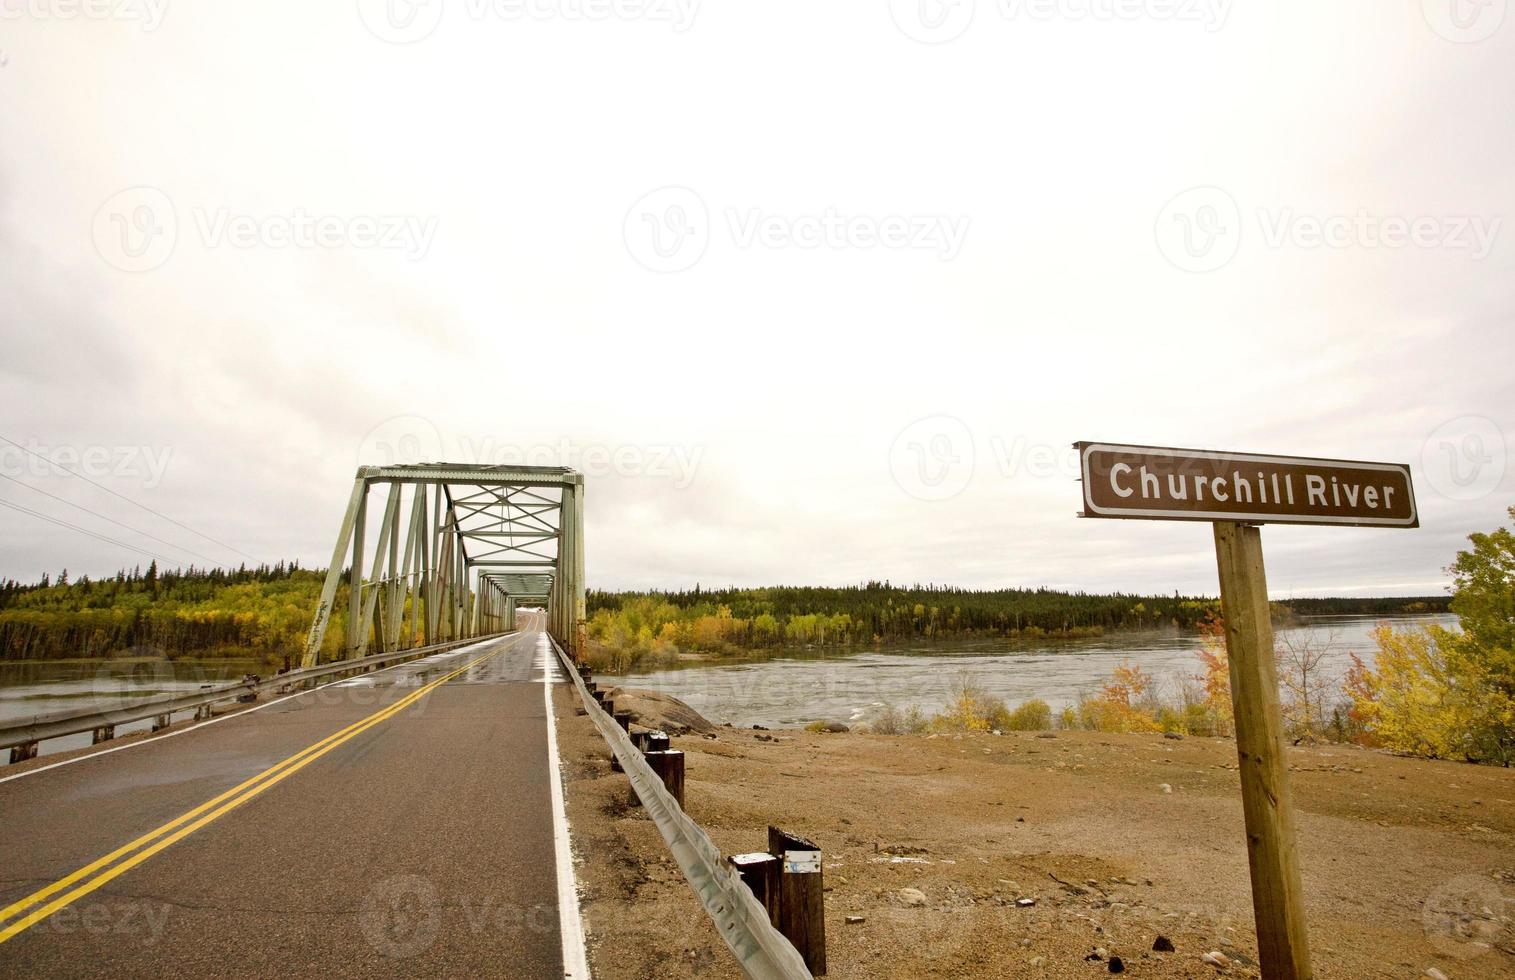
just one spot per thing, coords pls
(418, 844)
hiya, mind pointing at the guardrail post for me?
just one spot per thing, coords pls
(22, 752)
(203, 713)
(161, 722)
(801, 896)
(760, 873)
(103, 734)
(623, 718)
(669, 767)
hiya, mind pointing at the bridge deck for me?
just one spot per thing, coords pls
(420, 845)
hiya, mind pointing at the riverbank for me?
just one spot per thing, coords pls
(1080, 824)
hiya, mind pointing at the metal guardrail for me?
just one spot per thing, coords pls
(761, 951)
(60, 723)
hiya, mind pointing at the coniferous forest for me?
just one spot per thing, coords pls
(265, 611)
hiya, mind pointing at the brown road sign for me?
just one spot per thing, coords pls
(1151, 483)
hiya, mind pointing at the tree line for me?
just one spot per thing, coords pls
(626, 627)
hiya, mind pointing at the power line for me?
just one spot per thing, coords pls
(74, 527)
(112, 520)
(129, 500)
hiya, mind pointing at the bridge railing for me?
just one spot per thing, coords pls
(24, 735)
(762, 952)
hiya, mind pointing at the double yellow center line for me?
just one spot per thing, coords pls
(128, 856)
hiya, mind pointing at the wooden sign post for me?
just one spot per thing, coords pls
(1237, 492)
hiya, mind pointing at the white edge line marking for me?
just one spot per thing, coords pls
(155, 739)
(570, 925)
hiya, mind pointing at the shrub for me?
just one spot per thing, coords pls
(1033, 716)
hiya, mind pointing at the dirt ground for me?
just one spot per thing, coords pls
(1407, 864)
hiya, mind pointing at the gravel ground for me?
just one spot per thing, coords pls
(1029, 854)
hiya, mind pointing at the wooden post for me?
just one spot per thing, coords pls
(1267, 804)
(670, 768)
(23, 752)
(161, 722)
(103, 734)
(760, 873)
(623, 718)
(801, 896)
(656, 742)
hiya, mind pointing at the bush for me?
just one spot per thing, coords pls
(1033, 716)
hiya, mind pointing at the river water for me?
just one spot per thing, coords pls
(798, 688)
(39, 687)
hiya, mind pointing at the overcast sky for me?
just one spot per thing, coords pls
(814, 293)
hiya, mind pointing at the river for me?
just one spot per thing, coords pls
(797, 688)
(38, 687)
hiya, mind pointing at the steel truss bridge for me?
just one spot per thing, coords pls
(457, 550)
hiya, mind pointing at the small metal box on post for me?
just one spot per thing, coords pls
(801, 898)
